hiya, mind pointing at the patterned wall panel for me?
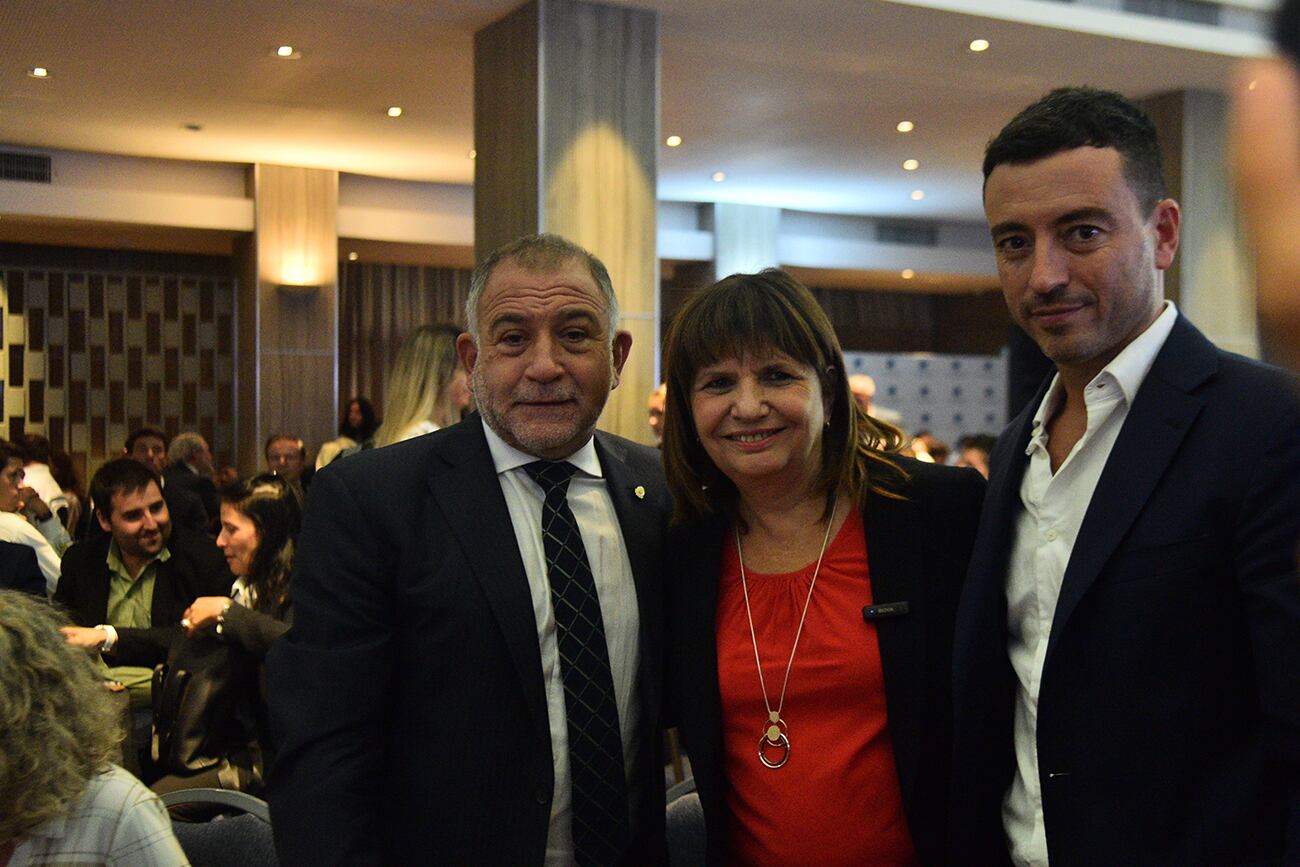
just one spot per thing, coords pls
(90, 355)
(949, 395)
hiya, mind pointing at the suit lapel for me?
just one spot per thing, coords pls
(1162, 413)
(641, 528)
(897, 572)
(468, 495)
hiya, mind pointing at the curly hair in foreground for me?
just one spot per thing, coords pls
(58, 725)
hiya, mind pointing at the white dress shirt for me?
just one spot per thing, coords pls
(1046, 529)
(607, 555)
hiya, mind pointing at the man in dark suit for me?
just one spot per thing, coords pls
(1127, 677)
(472, 676)
(189, 466)
(128, 589)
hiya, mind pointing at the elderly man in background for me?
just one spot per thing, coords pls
(473, 672)
(189, 466)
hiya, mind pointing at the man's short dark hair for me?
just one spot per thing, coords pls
(980, 441)
(10, 452)
(1075, 117)
(36, 448)
(119, 476)
(144, 432)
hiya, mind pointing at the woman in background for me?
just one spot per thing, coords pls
(427, 388)
(813, 577)
(260, 519)
(62, 800)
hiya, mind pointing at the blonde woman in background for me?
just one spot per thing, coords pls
(427, 388)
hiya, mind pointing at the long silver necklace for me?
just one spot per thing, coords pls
(776, 734)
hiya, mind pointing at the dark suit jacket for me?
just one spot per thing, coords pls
(181, 476)
(196, 568)
(408, 697)
(917, 551)
(19, 569)
(1169, 715)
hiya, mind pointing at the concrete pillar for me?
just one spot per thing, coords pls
(288, 311)
(566, 125)
(1212, 281)
(745, 238)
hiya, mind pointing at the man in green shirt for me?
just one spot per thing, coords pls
(128, 590)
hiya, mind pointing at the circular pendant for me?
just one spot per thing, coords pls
(781, 744)
(773, 734)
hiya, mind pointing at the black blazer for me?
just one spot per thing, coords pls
(182, 477)
(19, 569)
(408, 697)
(917, 552)
(1169, 714)
(196, 568)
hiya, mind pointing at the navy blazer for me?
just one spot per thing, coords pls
(408, 697)
(19, 569)
(917, 551)
(1169, 713)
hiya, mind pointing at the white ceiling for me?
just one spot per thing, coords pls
(795, 101)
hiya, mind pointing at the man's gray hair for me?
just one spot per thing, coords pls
(183, 445)
(537, 253)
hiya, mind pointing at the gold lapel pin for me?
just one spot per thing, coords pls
(640, 492)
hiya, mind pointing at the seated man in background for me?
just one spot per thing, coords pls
(128, 589)
(15, 525)
(286, 455)
(38, 477)
(149, 446)
(189, 466)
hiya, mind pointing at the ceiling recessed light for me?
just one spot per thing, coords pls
(907, 274)
(673, 141)
(905, 126)
(918, 195)
(287, 52)
(394, 111)
(473, 154)
(1253, 84)
(38, 72)
(352, 257)
(978, 45)
(911, 165)
(719, 177)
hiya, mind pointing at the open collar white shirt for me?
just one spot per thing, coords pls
(607, 555)
(1046, 529)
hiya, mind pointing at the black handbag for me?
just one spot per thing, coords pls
(197, 696)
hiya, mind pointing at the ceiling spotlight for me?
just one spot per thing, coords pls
(286, 52)
(1254, 83)
(907, 274)
(352, 257)
(918, 195)
(673, 141)
(473, 154)
(394, 111)
(38, 72)
(978, 45)
(911, 165)
(905, 126)
(719, 177)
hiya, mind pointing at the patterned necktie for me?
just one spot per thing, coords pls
(600, 806)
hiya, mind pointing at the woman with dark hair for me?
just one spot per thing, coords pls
(811, 602)
(359, 422)
(260, 519)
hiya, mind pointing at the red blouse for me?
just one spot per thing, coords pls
(836, 800)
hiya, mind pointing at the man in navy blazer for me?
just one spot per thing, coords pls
(1127, 663)
(422, 697)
